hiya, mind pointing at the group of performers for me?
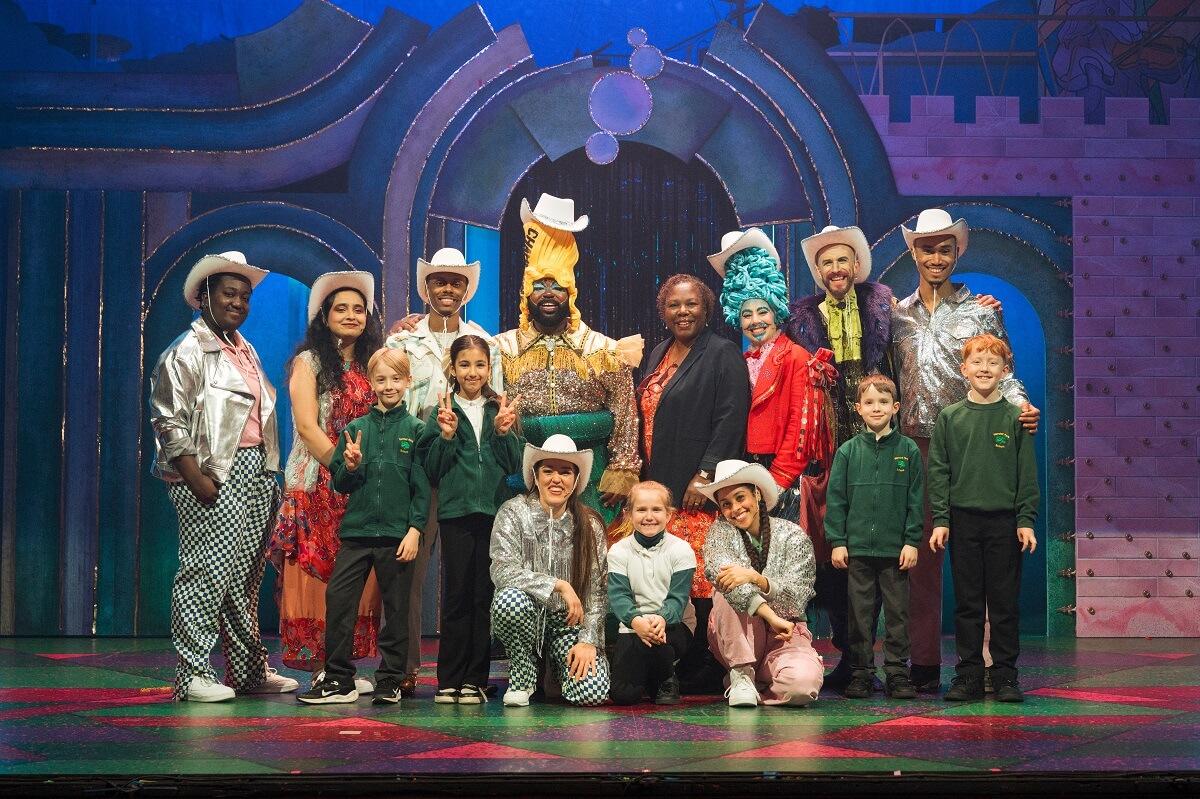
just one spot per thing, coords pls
(589, 523)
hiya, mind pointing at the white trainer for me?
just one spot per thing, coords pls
(742, 692)
(515, 697)
(202, 689)
(274, 683)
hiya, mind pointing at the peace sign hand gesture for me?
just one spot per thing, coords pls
(352, 455)
(506, 417)
(447, 419)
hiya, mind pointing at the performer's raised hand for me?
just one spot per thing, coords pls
(352, 454)
(506, 417)
(447, 419)
(407, 324)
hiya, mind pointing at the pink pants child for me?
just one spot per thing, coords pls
(791, 670)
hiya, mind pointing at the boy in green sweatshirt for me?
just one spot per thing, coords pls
(376, 464)
(873, 517)
(983, 486)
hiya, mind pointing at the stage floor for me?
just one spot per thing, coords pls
(99, 706)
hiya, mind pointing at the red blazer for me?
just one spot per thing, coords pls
(789, 412)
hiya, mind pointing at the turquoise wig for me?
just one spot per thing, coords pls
(752, 274)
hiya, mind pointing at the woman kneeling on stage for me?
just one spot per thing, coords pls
(763, 569)
(549, 568)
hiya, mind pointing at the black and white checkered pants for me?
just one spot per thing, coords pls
(514, 621)
(221, 561)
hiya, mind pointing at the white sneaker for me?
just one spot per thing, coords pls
(742, 692)
(274, 683)
(515, 697)
(364, 685)
(202, 689)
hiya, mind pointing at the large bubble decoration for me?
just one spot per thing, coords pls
(636, 37)
(620, 103)
(602, 148)
(646, 62)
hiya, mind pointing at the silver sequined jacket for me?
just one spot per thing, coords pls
(791, 569)
(199, 403)
(928, 350)
(531, 552)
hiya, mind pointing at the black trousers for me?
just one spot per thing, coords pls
(355, 559)
(866, 578)
(464, 652)
(985, 558)
(637, 670)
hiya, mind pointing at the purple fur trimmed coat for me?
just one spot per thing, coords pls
(806, 326)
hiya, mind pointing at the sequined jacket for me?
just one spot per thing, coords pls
(531, 551)
(791, 567)
(928, 356)
(199, 403)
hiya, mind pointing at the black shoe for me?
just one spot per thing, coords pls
(329, 692)
(387, 692)
(927, 679)
(965, 689)
(668, 692)
(899, 686)
(859, 687)
(1007, 690)
(408, 686)
(840, 677)
(471, 695)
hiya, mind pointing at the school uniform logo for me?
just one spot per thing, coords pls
(1001, 440)
(901, 463)
(406, 444)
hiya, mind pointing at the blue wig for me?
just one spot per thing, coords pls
(752, 274)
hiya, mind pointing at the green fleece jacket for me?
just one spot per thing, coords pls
(876, 496)
(389, 491)
(981, 458)
(470, 477)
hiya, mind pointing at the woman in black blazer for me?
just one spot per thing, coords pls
(694, 403)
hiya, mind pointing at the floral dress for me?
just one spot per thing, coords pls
(305, 541)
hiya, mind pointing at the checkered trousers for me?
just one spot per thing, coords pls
(221, 561)
(515, 621)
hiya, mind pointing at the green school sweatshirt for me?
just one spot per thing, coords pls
(876, 496)
(470, 477)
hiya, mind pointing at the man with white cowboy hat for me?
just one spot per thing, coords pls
(445, 283)
(571, 379)
(763, 569)
(929, 328)
(217, 446)
(549, 568)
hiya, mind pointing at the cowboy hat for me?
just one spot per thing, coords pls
(736, 240)
(232, 262)
(735, 472)
(449, 260)
(851, 236)
(558, 447)
(554, 212)
(936, 222)
(333, 282)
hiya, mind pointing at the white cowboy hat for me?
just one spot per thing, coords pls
(936, 222)
(554, 212)
(232, 262)
(735, 472)
(449, 260)
(736, 240)
(560, 448)
(332, 282)
(851, 236)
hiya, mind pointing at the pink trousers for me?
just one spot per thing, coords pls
(787, 672)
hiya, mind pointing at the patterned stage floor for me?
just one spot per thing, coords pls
(83, 706)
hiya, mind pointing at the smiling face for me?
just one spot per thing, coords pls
(548, 306)
(649, 511)
(876, 408)
(555, 480)
(346, 315)
(683, 312)
(758, 322)
(935, 257)
(837, 264)
(739, 505)
(389, 385)
(984, 370)
(471, 369)
(227, 303)
(445, 291)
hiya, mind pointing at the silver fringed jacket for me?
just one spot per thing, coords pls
(791, 569)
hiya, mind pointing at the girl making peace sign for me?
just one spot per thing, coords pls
(467, 454)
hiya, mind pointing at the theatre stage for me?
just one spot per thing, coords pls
(1095, 709)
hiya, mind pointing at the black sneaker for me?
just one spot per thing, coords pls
(387, 692)
(965, 689)
(927, 679)
(668, 692)
(471, 695)
(1007, 690)
(329, 692)
(859, 687)
(446, 696)
(899, 686)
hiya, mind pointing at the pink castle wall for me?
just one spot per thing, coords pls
(1136, 244)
